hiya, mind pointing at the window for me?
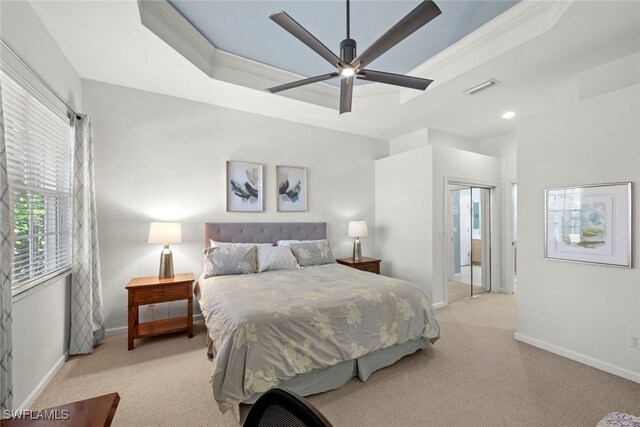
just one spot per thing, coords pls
(39, 144)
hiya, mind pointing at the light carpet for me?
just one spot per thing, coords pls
(476, 375)
(460, 290)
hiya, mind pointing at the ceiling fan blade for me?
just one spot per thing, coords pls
(298, 31)
(423, 13)
(302, 82)
(346, 95)
(395, 79)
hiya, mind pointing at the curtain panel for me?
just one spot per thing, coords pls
(87, 321)
(6, 347)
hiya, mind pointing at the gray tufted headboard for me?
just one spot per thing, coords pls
(263, 232)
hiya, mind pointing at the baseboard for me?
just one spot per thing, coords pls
(123, 329)
(35, 393)
(116, 331)
(579, 357)
(439, 305)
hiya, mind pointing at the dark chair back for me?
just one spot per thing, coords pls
(281, 408)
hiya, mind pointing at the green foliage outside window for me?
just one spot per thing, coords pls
(29, 216)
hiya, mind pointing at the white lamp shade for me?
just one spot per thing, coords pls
(165, 233)
(357, 229)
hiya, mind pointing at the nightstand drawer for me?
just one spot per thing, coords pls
(374, 268)
(371, 265)
(161, 294)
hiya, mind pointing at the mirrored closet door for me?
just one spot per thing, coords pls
(470, 242)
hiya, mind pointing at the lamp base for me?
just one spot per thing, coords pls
(357, 250)
(166, 264)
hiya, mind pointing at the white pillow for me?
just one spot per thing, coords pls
(215, 244)
(291, 242)
(276, 258)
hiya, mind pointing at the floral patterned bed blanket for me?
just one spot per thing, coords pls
(268, 327)
(619, 419)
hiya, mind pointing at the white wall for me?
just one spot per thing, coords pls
(409, 142)
(40, 320)
(614, 75)
(26, 35)
(40, 339)
(411, 208)
(442, 138)
(431, 136)
(585, 312)
(505, 147)
(163, 158)
(469, 168)
(404, 186)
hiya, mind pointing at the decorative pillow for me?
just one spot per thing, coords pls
(312, 253)
(276, 258)
(227, 260)
(216, 244)
(290, 242)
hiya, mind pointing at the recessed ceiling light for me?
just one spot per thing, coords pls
(509, 115)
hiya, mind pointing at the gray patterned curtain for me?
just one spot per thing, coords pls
(6, 348)
(87, 322)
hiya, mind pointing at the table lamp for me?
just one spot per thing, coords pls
(165, 233)
(357, 229)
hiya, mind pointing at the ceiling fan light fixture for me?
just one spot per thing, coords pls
(346, 72)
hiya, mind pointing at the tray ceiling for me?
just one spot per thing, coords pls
(244, 28)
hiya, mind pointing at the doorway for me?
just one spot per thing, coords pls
(470, 238)
(514, 236)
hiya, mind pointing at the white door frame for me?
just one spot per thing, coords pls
(450, 243)
(467, 224)
(495, 197)
(509, 288)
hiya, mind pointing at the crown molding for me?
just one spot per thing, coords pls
(169, 25)
(173, 28)
(519, 24)
(242, 71)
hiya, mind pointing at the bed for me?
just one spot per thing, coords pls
(309, 330)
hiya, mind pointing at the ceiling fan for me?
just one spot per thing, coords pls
(348, 64)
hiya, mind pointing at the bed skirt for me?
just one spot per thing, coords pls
(336, 376)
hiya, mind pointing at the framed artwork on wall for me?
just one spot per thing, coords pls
(589, 224)
(244, 187)
(292, 188)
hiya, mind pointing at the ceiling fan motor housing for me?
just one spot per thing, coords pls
(347, 50)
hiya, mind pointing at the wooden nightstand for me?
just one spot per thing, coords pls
(367, 264)
(95, 412)
(151, 290)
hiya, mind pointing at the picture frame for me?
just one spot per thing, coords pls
(244, 183)
(291, 188)
(590, 224)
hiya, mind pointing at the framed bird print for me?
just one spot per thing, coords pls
(244, 187)
(292, 188)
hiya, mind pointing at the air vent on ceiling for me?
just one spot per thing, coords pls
(481, 86)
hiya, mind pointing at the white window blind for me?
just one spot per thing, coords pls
(39, 147)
